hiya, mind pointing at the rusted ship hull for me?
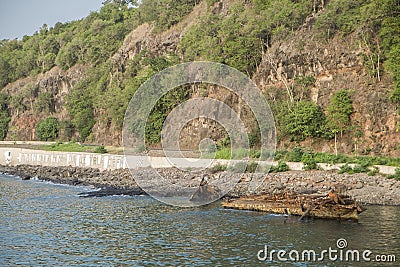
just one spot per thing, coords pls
(299, 205)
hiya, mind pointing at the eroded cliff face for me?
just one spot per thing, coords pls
(335, 64)
(40, 97)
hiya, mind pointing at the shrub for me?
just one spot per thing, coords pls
(47, 129)
(295, 155)
(346, 169)
(252, 167)
(281, 167)
(306, 119)
(4, 121)
(309, 162)
(218, 168)
(66, 130)
(331, 158)
(243, 166)
(396, 175)
(373, 172)
(360, 169)
(100, 150)
(280, 154)
(356, 169)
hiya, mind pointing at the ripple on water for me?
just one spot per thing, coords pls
(49, 225)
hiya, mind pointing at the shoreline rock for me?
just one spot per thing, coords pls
(373, 190)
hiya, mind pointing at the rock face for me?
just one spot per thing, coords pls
(335, 64)
(56, 83)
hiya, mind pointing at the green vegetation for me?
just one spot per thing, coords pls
(237, 33)
(396, 175)
(238, 38)
(358, 169)
(281, 167)
(302, 154)
(390, 37)
(305, 119)
(165, 13)
(160, 112)
(218, 168)
(47, 129)
(100, 150)
(374, 171)
(308, 157)
(226, 153)
(91, 42)
(309, 162)
(253, 167)
(339, 110)
(242, 166)
(73, 147)
(4, 115)
(88, 41)
(352, 170)
(377, 23)
(80, 107)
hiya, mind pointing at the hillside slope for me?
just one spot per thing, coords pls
(297, 52)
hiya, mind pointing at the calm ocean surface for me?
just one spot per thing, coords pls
(43, 224)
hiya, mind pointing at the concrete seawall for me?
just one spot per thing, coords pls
(21, 156)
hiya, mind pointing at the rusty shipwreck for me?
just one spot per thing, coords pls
(331, 206)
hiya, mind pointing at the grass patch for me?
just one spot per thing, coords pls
(302, 154)
(396, 175)
(73, 147)
(308, 157)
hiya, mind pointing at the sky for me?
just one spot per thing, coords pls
(25, 17)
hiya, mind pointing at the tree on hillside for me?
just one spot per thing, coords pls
(80, 108)
(305, 119)
(165, 13)
(339, 111)
(47, 129)
(4, 115)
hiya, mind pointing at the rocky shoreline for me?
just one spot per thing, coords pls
(376, 190)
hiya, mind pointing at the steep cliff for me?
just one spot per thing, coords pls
(335, 64)
(39, 97)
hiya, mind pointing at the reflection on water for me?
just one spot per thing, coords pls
(48, 225)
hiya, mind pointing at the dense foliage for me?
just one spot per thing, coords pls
(339, 110)
(165, 13)
(4, 115)
(305, 119)
(47, 129)
(88, 41)
(238, 36)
